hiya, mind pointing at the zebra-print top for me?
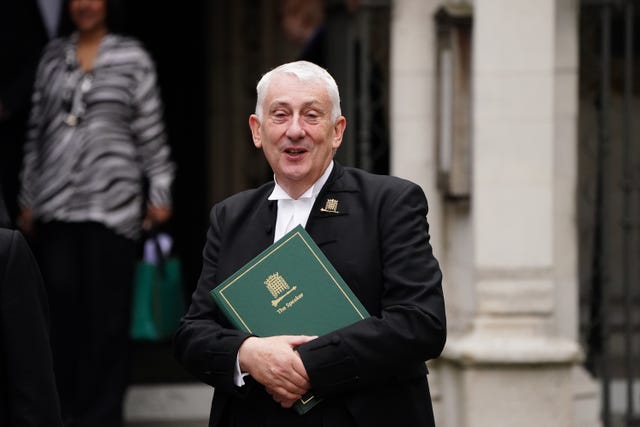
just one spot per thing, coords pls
(94, 136)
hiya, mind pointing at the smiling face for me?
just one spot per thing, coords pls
(88, 15)
(296, 133)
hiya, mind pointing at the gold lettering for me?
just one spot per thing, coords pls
(290, 303)
(294, 300)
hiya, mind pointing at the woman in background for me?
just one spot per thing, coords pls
(96, 141)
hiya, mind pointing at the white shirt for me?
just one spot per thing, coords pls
(291, 212)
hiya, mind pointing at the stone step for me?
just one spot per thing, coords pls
(168, 405)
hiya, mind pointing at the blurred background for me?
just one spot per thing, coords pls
(520, 120)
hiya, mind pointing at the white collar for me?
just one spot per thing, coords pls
(278, 192)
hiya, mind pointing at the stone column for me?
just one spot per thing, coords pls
(513, 367)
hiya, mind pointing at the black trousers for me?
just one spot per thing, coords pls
(259, 410)
(88, 272)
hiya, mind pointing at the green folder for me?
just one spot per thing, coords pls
(290, 288)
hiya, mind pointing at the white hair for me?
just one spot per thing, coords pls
(305, 72)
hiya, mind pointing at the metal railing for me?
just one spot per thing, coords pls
(611, 291)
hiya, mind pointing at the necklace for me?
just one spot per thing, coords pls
(77, 84)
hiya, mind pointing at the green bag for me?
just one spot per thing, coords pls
(158, 299)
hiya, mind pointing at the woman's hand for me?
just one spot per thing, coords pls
(25, 221)
(155, 216)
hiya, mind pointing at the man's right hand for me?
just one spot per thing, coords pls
(274, 363)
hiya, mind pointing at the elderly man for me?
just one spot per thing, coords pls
(370, 373)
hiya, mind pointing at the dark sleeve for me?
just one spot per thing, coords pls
(24, 328)
(204, 344)
(410, 328)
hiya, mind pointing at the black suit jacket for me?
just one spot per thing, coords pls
(379, 243)
(28, 395)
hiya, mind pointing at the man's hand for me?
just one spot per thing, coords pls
(274, 363)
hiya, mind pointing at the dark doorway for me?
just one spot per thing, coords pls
(175, 37)
(608, 203)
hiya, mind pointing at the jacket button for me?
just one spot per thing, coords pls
(335, 340)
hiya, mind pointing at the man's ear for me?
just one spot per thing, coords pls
(338, 131)
(254, 124)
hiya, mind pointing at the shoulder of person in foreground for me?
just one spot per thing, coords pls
(30, 384)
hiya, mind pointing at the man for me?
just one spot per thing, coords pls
(371, 373)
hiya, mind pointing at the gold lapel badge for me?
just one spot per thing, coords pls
(331, 206)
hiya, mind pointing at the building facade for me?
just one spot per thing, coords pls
(508, 240)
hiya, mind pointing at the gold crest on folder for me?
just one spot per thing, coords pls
(278, 287)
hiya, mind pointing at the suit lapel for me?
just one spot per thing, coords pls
(332, 203)
(266, 222)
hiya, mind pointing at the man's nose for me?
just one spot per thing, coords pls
(295, 130)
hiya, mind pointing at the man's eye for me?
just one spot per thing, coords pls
(279, 116)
